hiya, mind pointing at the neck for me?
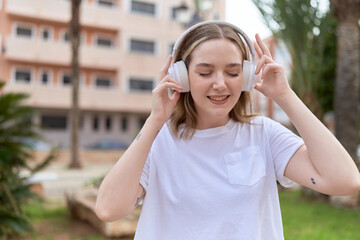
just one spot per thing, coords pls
(206, 123)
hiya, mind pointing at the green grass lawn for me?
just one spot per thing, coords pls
(303, 220)
(316, 220)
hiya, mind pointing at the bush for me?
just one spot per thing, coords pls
(15, 155)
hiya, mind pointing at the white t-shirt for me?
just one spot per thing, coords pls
(221, 184)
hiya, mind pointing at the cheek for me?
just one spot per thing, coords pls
(237, 83)
(195, 82)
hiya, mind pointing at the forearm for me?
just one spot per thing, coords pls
(117, 192)
(331, 161)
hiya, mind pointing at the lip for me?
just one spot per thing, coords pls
(218, 99)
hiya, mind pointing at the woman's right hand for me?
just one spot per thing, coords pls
(162, 104)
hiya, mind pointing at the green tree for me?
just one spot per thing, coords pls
(307, 33)
(15, 155)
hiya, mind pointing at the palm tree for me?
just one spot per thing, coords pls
(347, 13)
(75, 113)
(17, 137)
(304, 30)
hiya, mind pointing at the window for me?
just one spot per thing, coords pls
(142, 46)
(108, 123)
(23, 31)
(66, 79)
(137, 84)
(95, 123)
(143, 7)
(52, 122)
(124, 124)
(46, 34)
(65, 36)
(45, 77)
(104, 42)
(173, 13)
(103, 82)
(23, 76)
(106, 3)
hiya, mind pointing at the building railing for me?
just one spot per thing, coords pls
(90, 98)
(59, 11)
(59, 53)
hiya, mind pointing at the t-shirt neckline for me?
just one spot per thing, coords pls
(210, 132)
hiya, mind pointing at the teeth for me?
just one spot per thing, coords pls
(218, 98)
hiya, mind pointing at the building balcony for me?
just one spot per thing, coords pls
(59, 53)
(59, 11)
(89, 98)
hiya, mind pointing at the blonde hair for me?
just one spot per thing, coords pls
(184, 116)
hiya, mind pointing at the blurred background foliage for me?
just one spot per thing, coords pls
(16, 129)
(309, 35)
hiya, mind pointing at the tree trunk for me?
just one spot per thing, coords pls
(347, 83)
(347, 86)
(75, 112)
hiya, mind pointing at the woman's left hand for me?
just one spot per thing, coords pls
(273, 82)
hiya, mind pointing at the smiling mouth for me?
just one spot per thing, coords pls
(219, 98)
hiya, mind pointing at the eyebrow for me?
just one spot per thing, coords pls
(234, 64)
(209, 65)
(203, 65)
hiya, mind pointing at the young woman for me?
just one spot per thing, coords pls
(204, 166)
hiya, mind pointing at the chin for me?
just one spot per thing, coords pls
(220, 114)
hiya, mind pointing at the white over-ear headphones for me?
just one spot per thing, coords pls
(178, 70)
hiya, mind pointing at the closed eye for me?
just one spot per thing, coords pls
(233, 74)
(204, 74)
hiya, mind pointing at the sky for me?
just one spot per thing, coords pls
(246, 16)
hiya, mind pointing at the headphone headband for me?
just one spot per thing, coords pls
(218, 22)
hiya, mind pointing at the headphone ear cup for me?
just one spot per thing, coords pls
(248, 78)
(178, 71)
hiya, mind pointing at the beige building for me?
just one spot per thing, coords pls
(124, 44)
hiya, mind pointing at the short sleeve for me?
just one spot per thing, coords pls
(144, 178)
(283, 145)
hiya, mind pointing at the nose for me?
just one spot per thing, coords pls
(219, 83)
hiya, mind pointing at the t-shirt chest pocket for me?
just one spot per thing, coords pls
(246, 167)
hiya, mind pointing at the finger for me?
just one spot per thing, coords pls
(259, 65)
(165, 68)
(258, 86)
(262, 45)
(268, 68)
(175, 97)
(167, 78)
(263, 61)
(259, 53)
(175, 86)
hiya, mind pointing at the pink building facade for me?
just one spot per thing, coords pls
(124, 44)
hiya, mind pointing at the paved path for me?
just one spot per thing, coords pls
(58, 178)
